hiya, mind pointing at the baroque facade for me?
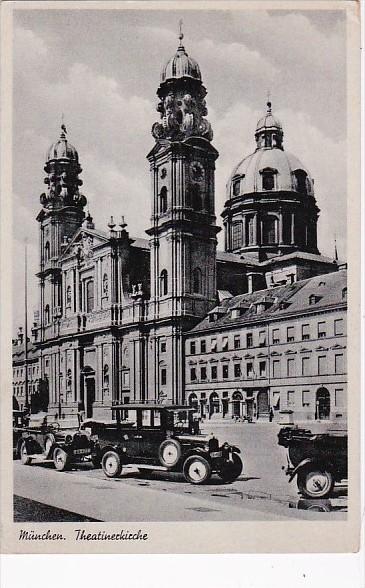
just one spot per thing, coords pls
(116, 312)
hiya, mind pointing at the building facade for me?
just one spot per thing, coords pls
(117, 314)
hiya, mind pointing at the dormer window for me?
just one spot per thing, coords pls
(268, 178)
(313, 299)
(301, 181)
(236, 186)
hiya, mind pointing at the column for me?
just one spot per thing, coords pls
(281, 228)
(255, 227)
(292, 237)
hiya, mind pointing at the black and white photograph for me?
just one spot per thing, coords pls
(179, 271)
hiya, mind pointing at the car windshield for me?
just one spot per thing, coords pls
(183, 420)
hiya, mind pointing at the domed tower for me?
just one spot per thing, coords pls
(270, 207)
(182, 163)
(61, 215)
(183, 223)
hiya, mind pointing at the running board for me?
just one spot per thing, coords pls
(150, 467)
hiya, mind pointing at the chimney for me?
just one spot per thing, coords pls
(255, 281)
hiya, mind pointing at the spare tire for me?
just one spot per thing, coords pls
(169, 453)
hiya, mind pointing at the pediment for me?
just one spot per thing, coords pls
(83, 243)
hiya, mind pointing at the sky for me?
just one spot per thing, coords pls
(101, 69)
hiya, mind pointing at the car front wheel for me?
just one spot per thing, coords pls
(315, 482)
(231, 469)
(197, 469)
(60, 459)
(111, 464)
(24, 457)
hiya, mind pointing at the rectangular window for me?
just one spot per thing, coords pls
(89, 295)
(290, 367)
(203, 346)
(290, 334)
(305, 366)
(193, 374)
(291, 398)
(262, 338)
(213, 344)
(305, 332)
(322, 364)
(214, 372)
(275, 336)
(321, 330)
(224, 343)
(237, 235)
(192, 347)
(262, 368)
(339, 364)
(163, 346)
(163, 377)
(249, 369)
(237, 341)
(276, 368)
(125, 379)
(339, 327)
(225, 371)
(306, 397)
(340, 400)
(237, 370)
(203, 373)
(249, 340)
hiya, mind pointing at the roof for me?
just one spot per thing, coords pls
(18, 352)
(180, 66)
(298, 255)
(328, 290)
(283, 162)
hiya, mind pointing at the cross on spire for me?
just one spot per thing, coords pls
(268, 103)
(63, 126)
(181, 34)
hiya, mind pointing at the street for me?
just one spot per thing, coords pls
(262, 492)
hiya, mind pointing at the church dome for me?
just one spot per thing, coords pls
(288, 174)
(62, 149)
(180, 66)
(270, 168)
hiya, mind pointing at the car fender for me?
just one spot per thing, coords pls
(235, 449)
(116, 448)
(313, 462)
(197, 451)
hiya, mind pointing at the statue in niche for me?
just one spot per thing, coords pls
(105, 285)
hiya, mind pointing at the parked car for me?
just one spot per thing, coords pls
(65, 447)
(318, 460)
(165, 438)
(20, 420)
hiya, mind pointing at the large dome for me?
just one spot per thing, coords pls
(180, 66)
(247, 177)
(62, 149)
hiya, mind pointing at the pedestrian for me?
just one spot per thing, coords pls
(271, 415)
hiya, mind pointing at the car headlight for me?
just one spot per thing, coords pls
(94, 438)
(68, 439)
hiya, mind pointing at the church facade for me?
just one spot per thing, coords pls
(117, 313)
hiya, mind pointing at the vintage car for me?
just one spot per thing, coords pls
(165, 438)
(317, 459)
(40, 441)
(20, 420)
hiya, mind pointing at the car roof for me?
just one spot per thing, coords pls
(153, 407)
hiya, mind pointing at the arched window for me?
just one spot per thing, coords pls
(90, 296)
(47, 252)
(301, 181)
(237, 235)
(46, 315)
(197, 281)
(163, 200)
(270, 230)
(163, 283)
(250, 231)
(196, 200)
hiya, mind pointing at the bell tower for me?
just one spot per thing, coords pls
(183, 223)
(61, 215)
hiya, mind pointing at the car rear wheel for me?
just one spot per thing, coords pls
(60, 459)
(24, 457)
(231, 469)
(196, 469)
(169, 452)
(315, 482)
(111, 464)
